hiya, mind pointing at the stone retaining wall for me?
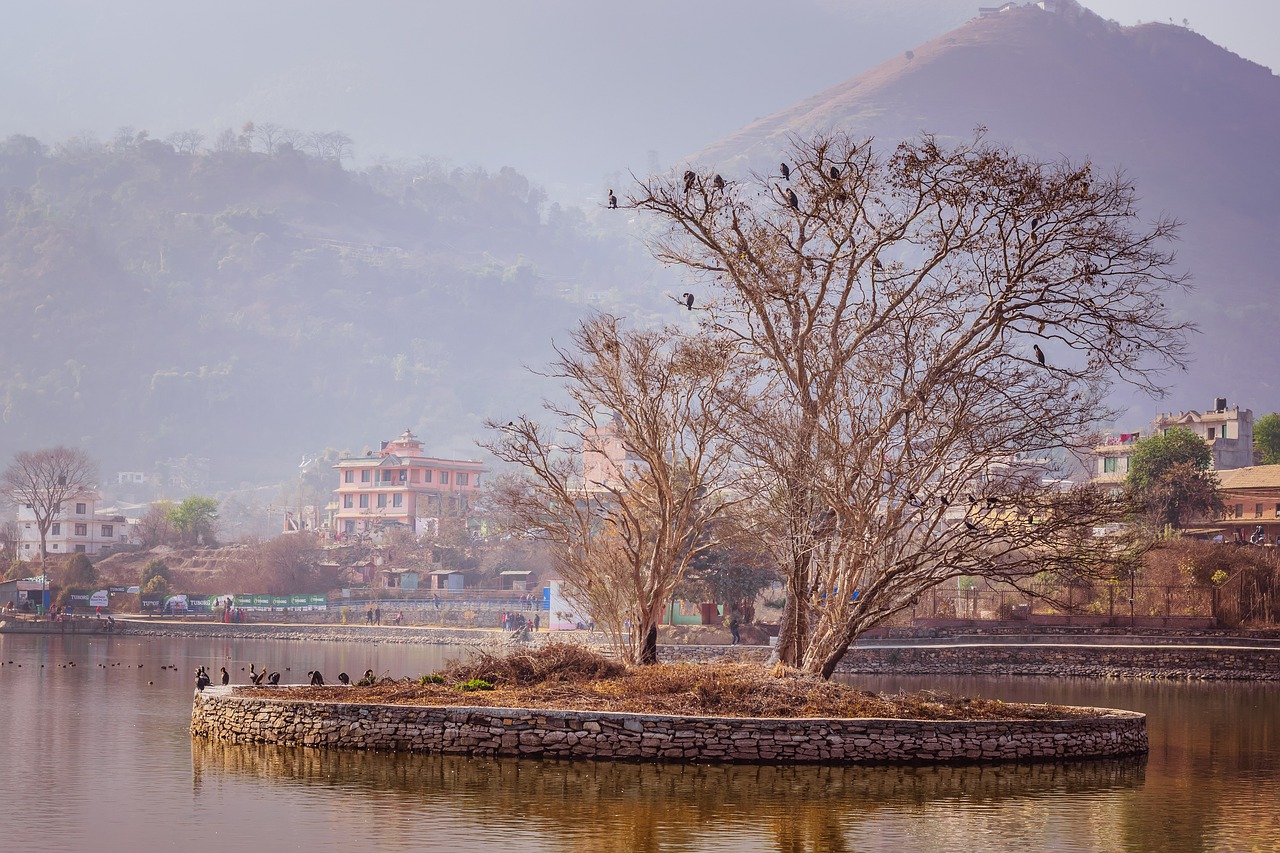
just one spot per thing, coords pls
(219, 714)
(1226, 663)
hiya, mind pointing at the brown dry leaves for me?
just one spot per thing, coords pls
(566, 677)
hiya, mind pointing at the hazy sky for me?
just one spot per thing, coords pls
(571, 92)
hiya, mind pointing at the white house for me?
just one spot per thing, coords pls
(78, 529)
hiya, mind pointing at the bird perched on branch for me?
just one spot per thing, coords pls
(687, 299)
(792, 199)
(1039, 353)
(689, 178)
(718, 182)
(786, 172)
(613, 201)
(835, 173)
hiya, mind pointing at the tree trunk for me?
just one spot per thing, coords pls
(649, 646)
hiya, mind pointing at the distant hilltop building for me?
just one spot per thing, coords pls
(1228, 432)
(401, 485)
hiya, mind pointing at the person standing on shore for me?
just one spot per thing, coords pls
(377, 615)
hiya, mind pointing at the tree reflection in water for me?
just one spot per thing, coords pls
(611, 807)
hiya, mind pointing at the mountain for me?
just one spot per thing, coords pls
(247, 308)
(1195, 126)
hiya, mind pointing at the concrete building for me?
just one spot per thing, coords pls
(78, 529)
(1228, 432)
(401, 485)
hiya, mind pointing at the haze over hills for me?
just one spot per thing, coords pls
(251, 305)
(1195, 126)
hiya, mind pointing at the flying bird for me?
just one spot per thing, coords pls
(786, 172)
(1039, 353)
(613, 201)
(689, 178)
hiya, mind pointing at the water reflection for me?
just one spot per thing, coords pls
(644, 807)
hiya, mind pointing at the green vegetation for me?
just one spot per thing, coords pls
(1266, 439)
(1171, 478)
(475, 684)
(155, 577)
(194, 520)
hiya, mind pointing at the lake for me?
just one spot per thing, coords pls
(97, 757)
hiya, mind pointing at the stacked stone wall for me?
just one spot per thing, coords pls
(218, 714)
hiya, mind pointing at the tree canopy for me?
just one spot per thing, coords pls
(1266, 439)
(195, 520)
(1171, 479)
(924, 329)
(43, 480)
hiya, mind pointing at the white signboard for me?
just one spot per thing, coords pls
(100, 599)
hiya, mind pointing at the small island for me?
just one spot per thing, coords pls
(564, 701)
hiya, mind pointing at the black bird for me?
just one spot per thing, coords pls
(1035, 223)
(792, 199)
(202, 679)
(317, 680)
(253, 676)
(273, 679)
(257, 679)
(943, 500)
(344, 678)
(991, 502)
(688, 300)
(1039, 353)
(835, 173)
(613, 201)
(368, 680)
(971, 526)
(718, 182)
(226, 677)
(786, 172)
(689, 178)
(875, 262)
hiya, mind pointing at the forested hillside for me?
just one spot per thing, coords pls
(248, 305)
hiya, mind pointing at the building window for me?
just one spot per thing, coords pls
(1239, 510)
(463, 479)
(364, 501)
(348, 476)
(107, 531)
(403, 475)
(364, 476)
(1211, 433)
(444, 478)
(1277, 510)
(382, 501)
(397, 500)
(426, 476)
(1110, 464)
(80, 509)
(350, 526)
(1257, 510)
(56, 530)
(414, 477)
(348, 501)
(386, 476)
(82, 530)
(79, 549)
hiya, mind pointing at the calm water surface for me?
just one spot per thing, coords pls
(99, 759)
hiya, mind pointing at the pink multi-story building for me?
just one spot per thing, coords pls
(401, 485)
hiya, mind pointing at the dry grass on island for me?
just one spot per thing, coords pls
(561, 676)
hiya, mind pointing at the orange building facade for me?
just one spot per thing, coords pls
(400, 485)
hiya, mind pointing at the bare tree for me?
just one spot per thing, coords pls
(921, 324)
(42, 480)
(154, 527)
(270, 136)
(629, 504)
(186, 141)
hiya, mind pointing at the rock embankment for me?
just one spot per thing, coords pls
(219, 714)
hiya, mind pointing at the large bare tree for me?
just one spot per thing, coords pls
(924, 324)
(42, 480)
(626, 486)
